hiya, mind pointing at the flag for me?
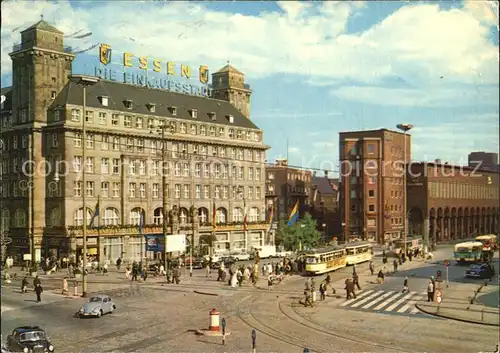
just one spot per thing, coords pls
(244, 214)
(294, 214)
(214, 221)
(96, 213)
(271, 215)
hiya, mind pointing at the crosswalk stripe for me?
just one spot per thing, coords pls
(373, 302)
(387, 301)
(397, 303)
(359, 296)
(414, 310)
(362, 301)
(410, 303)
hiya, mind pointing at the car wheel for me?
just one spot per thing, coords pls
(99, 314)
(114, 307)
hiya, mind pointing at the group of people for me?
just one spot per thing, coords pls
(37, 287)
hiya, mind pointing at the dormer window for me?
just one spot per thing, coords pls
(212, 115)
(173, 110)
(151, 107)
(57, 115)
(128, 103)
(104, 101)
(194, 113)
(231, 119)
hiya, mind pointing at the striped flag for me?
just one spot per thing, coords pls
(294, 215)
(244, 214)
(271, 215)
(96, 213)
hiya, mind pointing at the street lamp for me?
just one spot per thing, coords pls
(324, 232)
(405, 128)
(85, 81)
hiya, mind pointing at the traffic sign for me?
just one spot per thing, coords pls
(446, 263)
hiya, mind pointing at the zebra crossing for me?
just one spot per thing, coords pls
(388, 302)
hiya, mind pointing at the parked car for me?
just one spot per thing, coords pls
(29, 339)
(228, 260)
(199, 262)
(480, 271)
(97, 306)
(242, 256)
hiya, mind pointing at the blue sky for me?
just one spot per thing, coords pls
(315, 68)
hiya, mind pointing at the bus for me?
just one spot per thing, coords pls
(470, 251)
(489, 242)
(358, 252)
(324, 260)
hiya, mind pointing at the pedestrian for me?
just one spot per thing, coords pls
(36, 281)
(322, 290)
(355, 281)
(308, 299)
(105, 269)
(372, 268)
(38, 291)
(349, 287)
(430, 291)
(406, 289)
(410, 255)
(395, 265)
(24, 285)
(380, 277)
(208, 272)
(65, 286)
(118, 263)
(269, 282)
(145, 274)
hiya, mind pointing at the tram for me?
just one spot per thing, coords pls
(358, 252)
(470, 251)
(325, 260)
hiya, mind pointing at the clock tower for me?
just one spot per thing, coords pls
(229, 84)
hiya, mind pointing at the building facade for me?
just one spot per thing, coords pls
(212, 155)
(325, 206)
(285, 187)
(447, 202)
(484, 160)
(371, 179)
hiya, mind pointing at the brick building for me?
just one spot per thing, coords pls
(449, 202)
(285, 186)
(215, 153)
(371, 179)
(325, 206)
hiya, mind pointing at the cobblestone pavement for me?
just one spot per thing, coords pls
(154, 316)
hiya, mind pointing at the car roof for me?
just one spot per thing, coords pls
(100, 295)
(23, 329)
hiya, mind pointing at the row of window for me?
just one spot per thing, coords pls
(137, 122)
(443, 190)
(111, 216)
(180, 191)
(154, 167)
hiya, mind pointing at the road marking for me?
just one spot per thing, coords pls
(387, 301)
(394, 305)
(355, 305)
(377, 300)
(361, 295)
(410, 303)
(6, 308)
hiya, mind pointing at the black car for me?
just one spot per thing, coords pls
(480, 271)
(228, 260)
(30, 339)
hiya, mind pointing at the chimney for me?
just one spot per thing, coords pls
(437, 161)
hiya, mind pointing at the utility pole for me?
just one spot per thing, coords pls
(164, 192)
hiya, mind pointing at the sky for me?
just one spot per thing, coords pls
(315, 68)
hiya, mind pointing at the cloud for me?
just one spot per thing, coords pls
(294, 115)
(294, 150)
(453, 141)
(305, 39)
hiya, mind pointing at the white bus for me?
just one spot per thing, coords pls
(358, 252)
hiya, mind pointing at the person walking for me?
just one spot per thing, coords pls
(380, 277)
(349, 287)
(24, 285)
(430, 291)
(105, 269)
(38, 291)
(355, 281)
(118, 263)
(395, 265)
(406, 289)
(65, 286)
(372, 268)
(322, 290)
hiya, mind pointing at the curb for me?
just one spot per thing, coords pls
(206, 293)
(455, 318)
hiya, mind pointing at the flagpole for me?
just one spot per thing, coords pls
(99, 226)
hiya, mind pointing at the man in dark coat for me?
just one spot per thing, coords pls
(38, 291)
(355, 281)
(349, 287)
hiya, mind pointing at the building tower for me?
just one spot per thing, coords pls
(40, 69)
(229, 84)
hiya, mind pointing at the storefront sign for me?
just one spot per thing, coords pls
(155, 73)
(155, 243)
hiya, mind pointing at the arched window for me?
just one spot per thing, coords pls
(254, 214)
(78, 220)
(135, 216)
(237, 214)
(183, 216)
(111, 216)
(221, 215)
(5, 221)
(203, 215)
(20, 218)
(55, 217)
(158, 215)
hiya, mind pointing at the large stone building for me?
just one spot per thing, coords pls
(214, 156)
(371, 192)
(484, 160)
(447, 202)
(325, 206)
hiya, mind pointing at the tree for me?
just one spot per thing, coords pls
(303, 232)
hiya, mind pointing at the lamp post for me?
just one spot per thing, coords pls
(324, 232)
(405, 128)
(85, 81)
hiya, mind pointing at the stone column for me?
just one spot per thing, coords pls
(434, 230)
(441, 228)
(455, 228)
(426, 232)
(472, 225)
(462, 229)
